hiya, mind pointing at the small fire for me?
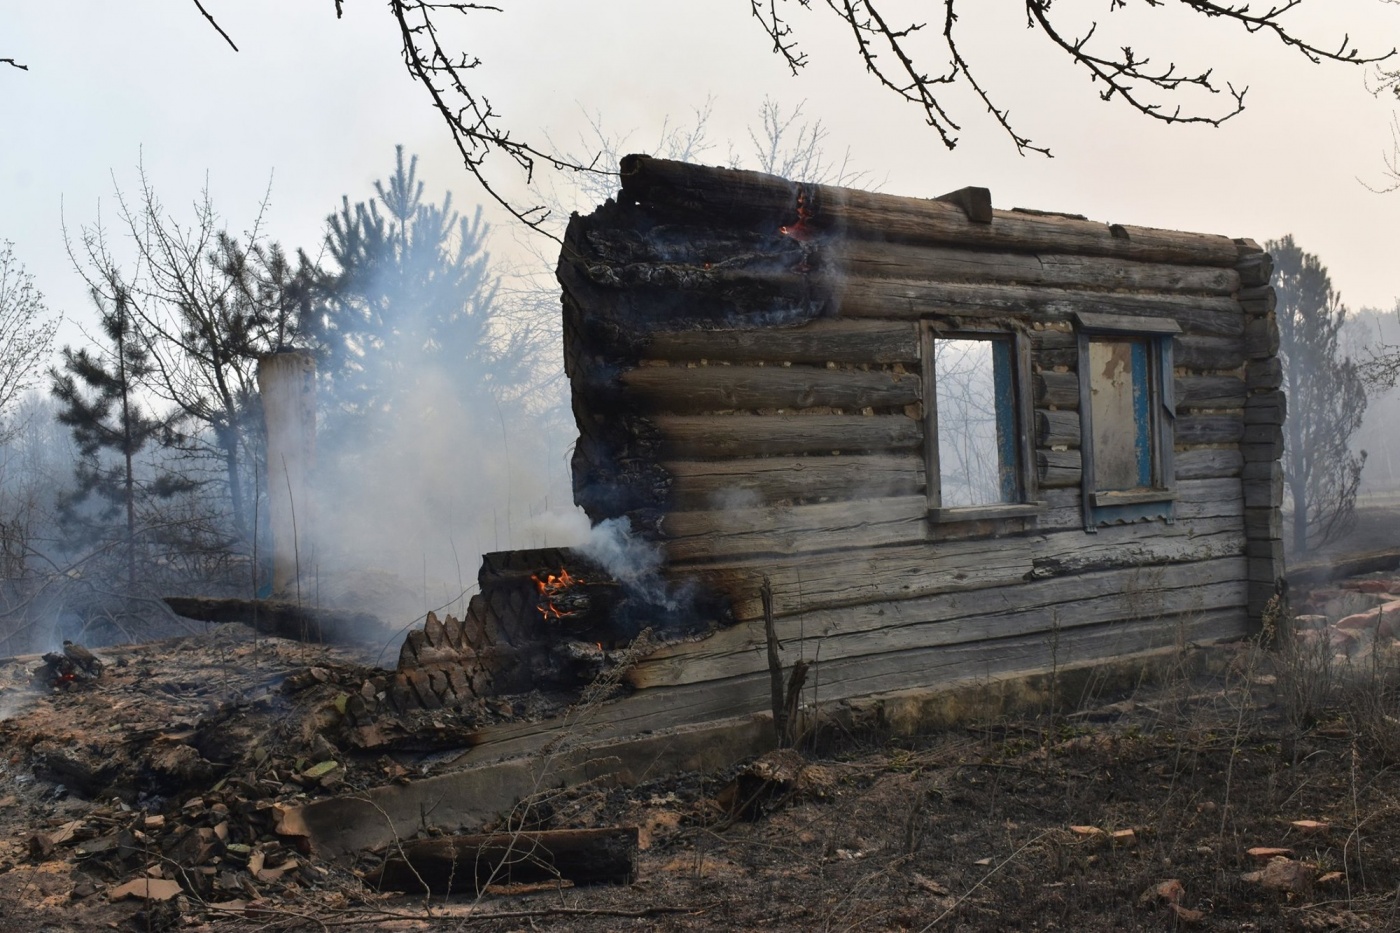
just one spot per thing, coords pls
(800, 231)
(552, 588)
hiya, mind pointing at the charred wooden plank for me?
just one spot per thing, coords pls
(725, 436)
(467, 864)
(281, 618)
(695, 389)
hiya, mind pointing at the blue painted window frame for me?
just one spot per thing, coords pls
(1154, 405)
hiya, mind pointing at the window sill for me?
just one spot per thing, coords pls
(977, 513)
(1132, 496)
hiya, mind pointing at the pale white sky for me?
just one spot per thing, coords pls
(317, 105)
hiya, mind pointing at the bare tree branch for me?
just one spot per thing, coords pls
(219, 29)
(13, 64)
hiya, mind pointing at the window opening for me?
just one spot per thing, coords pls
(978, 408)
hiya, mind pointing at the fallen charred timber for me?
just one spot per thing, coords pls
(285, 619)
(467, 864)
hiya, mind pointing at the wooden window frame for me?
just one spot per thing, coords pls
(1103, 507)
(1022, 411)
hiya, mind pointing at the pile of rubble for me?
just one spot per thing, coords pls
(155, 775)
(1354, 618)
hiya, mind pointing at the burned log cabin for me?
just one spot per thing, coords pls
(914, 443)
(955, 442)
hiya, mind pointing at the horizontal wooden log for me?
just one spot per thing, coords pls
(1207, 462)
(1036, 608)
(1057, 468)
(1264, 374)
(1263, 523)
(1258, 301)
(1208, 354)
(697, 191)
(1255, 266)
(901, 299)
(1056, 428)
(1196, 499)
(834, 341)
(911, 571)
(467, 864)
(1261, 338)
(882, 259)
(867, 575)
(1210, 392)
(1209, 429)
(693, 389)
(825, 526)
(697, 437)
(1056, 390)
(732, 484)
(1266, 408)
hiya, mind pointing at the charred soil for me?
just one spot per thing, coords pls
(1261, 795)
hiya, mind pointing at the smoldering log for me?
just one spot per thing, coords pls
(281, 618)
(467, 864)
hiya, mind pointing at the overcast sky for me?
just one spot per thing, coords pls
(315, 106)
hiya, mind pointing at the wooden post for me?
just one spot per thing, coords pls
(287, 383)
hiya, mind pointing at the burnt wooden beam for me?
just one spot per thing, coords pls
(664, 186)
(467, 864)
(282, 618)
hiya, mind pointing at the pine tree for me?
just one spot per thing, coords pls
(413, 289)
(97, 393)
(1326, 398)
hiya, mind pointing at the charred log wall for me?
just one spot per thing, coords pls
(746, 365)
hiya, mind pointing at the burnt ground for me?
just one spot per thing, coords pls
(1123, 811)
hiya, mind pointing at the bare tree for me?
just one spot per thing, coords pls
(205, 305)
(1326, 398)
(26, 334)
(895, 54)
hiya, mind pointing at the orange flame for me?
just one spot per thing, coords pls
(551, 587)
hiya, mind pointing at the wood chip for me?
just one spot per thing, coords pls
(150, 889)
(1264, 853)
(1087, 831)
(1311, 826)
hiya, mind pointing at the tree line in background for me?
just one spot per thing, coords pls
(153, 480)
